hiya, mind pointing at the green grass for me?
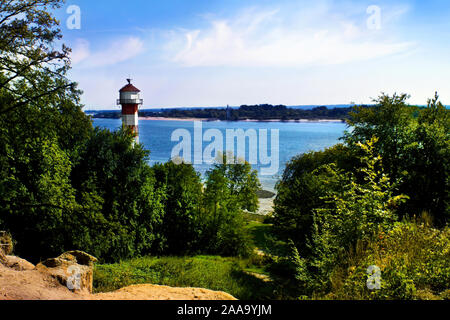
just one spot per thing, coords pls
(264, 239)
(259, 232)
(210, 272)
(229, 274)
(251, 217)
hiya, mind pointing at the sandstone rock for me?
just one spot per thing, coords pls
(6, 246)
(18, 264)
(3, 257)
(73, 269)
(155, 292)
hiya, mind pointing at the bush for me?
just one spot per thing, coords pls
(6, 243)
(414, 260)
(233, 239)
(355, 207)
(301, 190)
(415, 146)
(333, 203)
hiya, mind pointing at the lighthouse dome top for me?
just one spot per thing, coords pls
(129, 87)
(129, 95)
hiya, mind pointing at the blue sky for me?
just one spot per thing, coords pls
(213, 53)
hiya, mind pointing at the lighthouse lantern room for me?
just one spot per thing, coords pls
(130, 102)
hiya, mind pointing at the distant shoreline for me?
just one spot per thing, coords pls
(246, 113)
(246, 120)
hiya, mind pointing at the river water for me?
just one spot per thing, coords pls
(294, 138)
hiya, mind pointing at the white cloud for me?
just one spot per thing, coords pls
(116, 52)
(80, 51)
(266, 38)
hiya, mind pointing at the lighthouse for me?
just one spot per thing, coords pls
(130, 102)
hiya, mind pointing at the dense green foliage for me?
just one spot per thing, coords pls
(182, 222)
(302, 180)
(257, 112)
(228, 188)
(393, 164)
(121, 208)
(415, 147)
(206, 218)
(414, 260)
(65, 185)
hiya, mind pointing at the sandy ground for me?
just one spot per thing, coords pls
(247, 120)
(173, 119)
(27, 283)
(265, 206)
(153, 292)
(299, 120)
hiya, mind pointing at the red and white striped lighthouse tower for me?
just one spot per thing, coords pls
(130, 101)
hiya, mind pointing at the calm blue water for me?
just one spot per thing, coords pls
(294, 138)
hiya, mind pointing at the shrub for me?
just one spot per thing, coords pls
(414, 260)
(301, 191)
(6, 243)
(415, 146)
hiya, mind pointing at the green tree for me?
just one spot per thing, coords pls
(183, 191)
(223, 223)
(32, 65)
(414, 144)
(42, 128)
(36, 196)
(301, 190)
(355, 212)
(230, 188)
(241, 180)
(114, 176)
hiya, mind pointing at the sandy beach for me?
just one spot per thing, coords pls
(265, 206)
(247, 120)
(173, 119)
(299, 120)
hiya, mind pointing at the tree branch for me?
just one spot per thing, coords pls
(28, 100)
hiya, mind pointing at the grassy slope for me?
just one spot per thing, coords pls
(210, 272)
(236, 276)
(414, 260)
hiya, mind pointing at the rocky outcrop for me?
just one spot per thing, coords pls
(70, 277)
(48, 281)
(6, 246)
(73, 269)
(2, 257)
(18, 264)
(155, 292)
(6, 243)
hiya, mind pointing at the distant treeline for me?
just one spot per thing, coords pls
(254, 112)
